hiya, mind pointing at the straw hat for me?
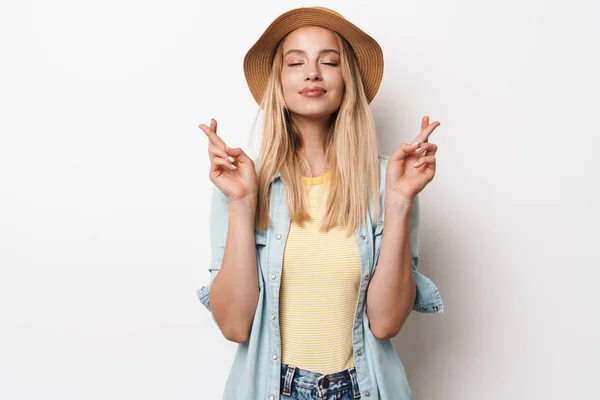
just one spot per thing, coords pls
(258, 60)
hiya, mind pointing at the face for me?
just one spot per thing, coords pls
(311, 75)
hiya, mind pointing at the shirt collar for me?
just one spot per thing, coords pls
(277, 175)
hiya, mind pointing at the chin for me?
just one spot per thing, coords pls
(314, 111)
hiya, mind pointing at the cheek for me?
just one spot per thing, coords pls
(336, 80)
(288, 82)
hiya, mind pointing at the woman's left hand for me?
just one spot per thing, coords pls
(404, 178)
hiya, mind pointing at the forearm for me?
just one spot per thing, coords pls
(234, 291)
(392, 290)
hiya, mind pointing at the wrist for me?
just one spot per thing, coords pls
(245, 205)
(397, 200)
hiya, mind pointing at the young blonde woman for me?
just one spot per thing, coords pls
(302, 275)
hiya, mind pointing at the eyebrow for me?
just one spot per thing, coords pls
(303, 52)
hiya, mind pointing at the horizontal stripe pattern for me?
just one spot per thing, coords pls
(319, 288)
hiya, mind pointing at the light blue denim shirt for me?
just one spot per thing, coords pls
(256, 368)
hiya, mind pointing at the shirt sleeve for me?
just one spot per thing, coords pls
(219, 221)
(428, 299)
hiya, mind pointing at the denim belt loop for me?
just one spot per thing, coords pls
(354, 379)
(289, 376)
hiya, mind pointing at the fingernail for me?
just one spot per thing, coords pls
(233, 166)
(231, 159)
(415, 143)
(418, 150)
(416, 164)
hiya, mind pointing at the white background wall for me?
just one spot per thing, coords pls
(104, 191)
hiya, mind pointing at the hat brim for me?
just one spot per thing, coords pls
(258, 60)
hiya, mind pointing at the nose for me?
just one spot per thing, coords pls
(313, 76)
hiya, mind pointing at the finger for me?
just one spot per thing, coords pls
(215, 151)
(429, 148)
(237, 153)
(219, 162)
(424, 160)
(423, 137)
(424, 122)
(402, 151)
(212, 136)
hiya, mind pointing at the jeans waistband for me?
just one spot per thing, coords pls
(323, 384)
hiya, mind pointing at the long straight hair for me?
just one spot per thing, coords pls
(350, 151)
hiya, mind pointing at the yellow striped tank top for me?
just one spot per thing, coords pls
(319, 288)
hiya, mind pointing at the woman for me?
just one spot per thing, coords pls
(297, 237)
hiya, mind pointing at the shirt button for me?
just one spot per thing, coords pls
(358, 353)
(202, 288)
(274, 356)
(272, 316)
(278, 236)
(367, 394)
(273, 276)
(435, 308)
(363, 237)
(366, 277)
(271, 397)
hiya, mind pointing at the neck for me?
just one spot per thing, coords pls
(313, 133)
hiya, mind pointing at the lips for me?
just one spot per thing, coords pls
(313, 90)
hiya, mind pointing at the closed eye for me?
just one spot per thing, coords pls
(330, 64)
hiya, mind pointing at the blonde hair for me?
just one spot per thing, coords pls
(350, 150)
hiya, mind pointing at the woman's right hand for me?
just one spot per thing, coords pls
(236, 179)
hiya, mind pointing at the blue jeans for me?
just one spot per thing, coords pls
(300, 384)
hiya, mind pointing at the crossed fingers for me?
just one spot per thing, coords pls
(216, 146)
(420, 143)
